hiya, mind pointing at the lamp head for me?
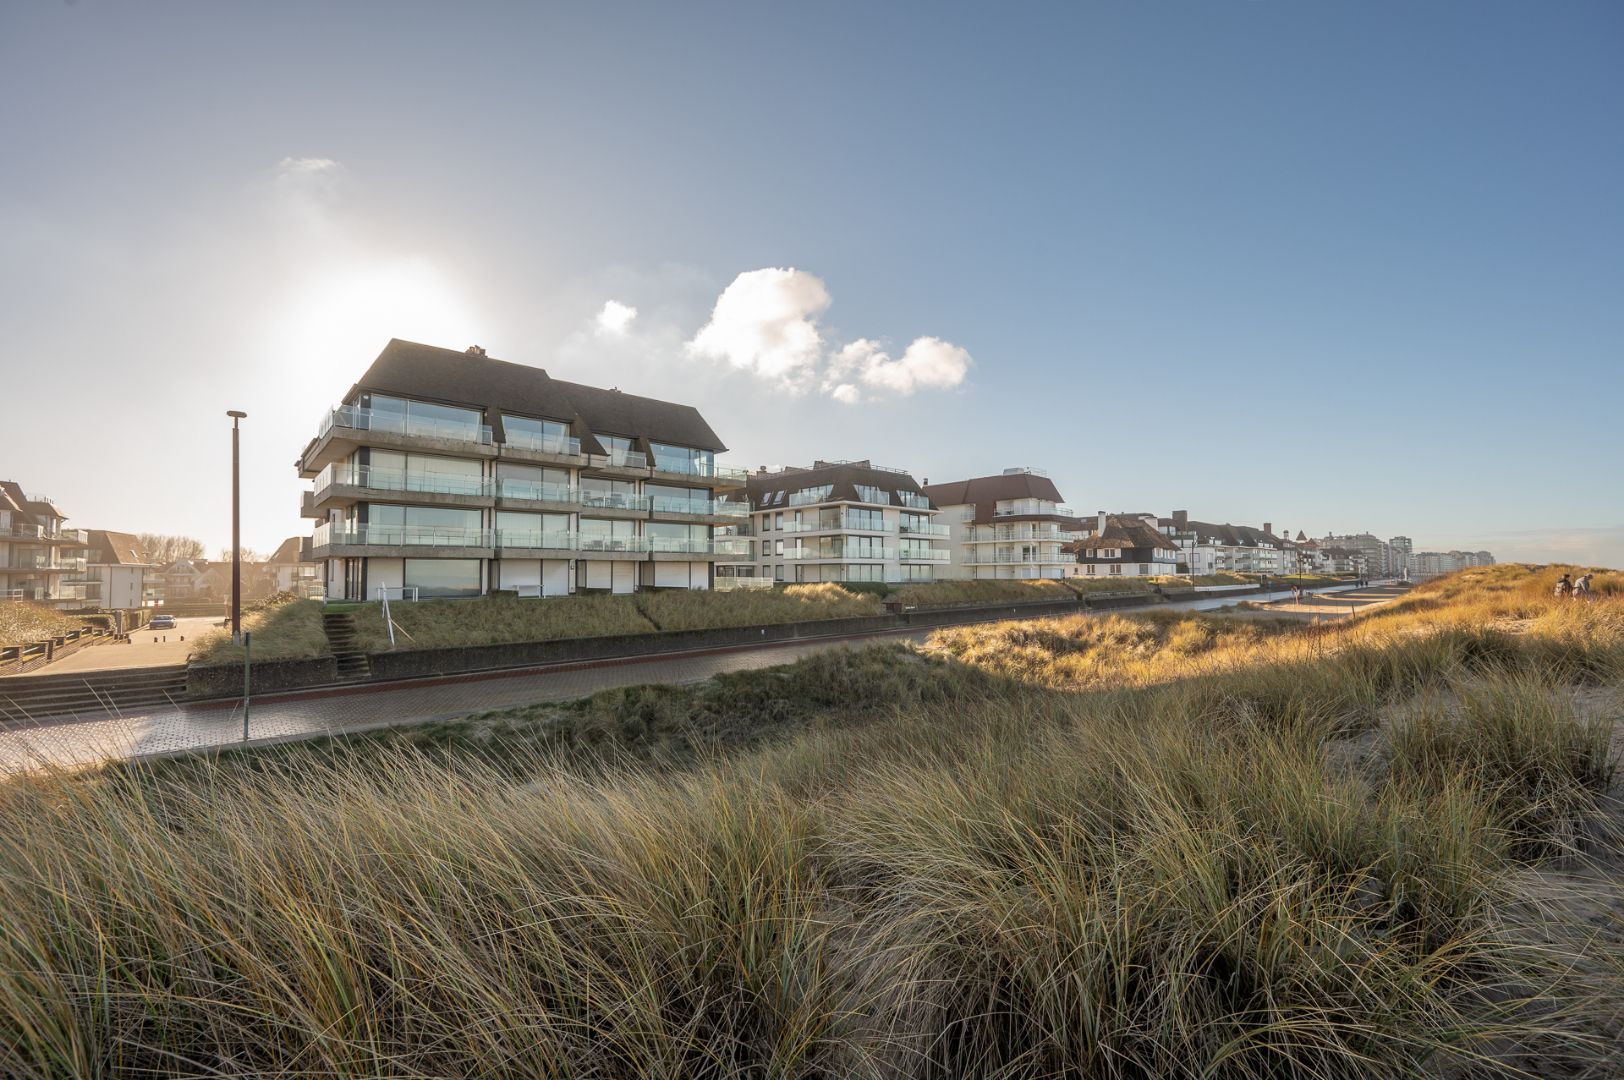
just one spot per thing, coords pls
(235, 413)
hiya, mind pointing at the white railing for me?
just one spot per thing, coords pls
(394, 423)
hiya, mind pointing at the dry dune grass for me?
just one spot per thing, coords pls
(975, 875)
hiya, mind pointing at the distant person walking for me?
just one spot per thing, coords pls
(1581, 588)
(1564, 587)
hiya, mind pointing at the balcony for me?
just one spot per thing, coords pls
(44, 561)
(348, 426)
(925, 555)
(614, 501)
(38, 535)
(346, 483)
(1017, 558)
(705, 508)
(1005, 534)
(1032, 509)
(536, 491)
(617, 548)
(730, 583)
(689, 547)
(844, 523)
(331, 541)
(916, 502)
(927, 529)
(516, 540)
(555, 445)
(687, 468)
(876, 554)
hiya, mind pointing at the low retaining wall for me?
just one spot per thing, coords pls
(225, 680)
(16, 659)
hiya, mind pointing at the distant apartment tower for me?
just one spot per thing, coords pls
(841, 521)
(1013, 524)
(1375, 555)
(40, 560)
(452, 474)
(1425, 564)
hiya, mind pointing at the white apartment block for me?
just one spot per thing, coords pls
(1010, 525)
(841, 521)
(119, 576)
(451, 474)
(1425, 564)
(40, 560)
(1209, 548)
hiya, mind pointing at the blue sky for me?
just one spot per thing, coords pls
(1332, 266)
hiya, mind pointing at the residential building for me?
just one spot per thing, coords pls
(842, 521)
(1377, 554)
(40, 559)
(1126, 545)
(291, 572)
(1425, 564)
(1013, 524)
(452, 474)
(1209, 548)
(119, 576)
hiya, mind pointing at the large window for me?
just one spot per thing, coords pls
(396, 471)
(620, 451)
(521, 530)
(678, 500)
(620, 494)
(442, 577)
(549, 436)
(424, 418)
(684, 459)
(670, 536)
(442, 525)
(871, 494)
(533, 482)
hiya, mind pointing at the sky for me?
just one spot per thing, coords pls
(1339, 267)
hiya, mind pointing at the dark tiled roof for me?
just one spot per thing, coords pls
(286, 552)
(449, 376)
(1128, 532)
(986, 492)
(117, 549)
(843, 478)
(1231, 535)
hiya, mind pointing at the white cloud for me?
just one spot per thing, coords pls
(615, 319)
(306, 166)
(766, 322)
(928, 363)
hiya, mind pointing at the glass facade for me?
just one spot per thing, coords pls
(442, 577)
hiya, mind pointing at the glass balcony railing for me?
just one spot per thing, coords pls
(910, 499)
(356, 418)
(630, 544)
(546, 541)
(545, 444)
(538, 491)
(844, 523)
(613, 500)
(924, 529)
(1031, 507)
(401, 536)
(924, 555)
(689, 467)
(375, 479)
(662, 504)
(872, 554)
(44, 561)
(623, 459)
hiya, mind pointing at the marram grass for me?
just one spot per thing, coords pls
(1248, 870)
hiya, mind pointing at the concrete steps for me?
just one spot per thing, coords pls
(90, 693)
(341, 638)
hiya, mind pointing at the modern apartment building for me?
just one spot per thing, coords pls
(840, 521)
(1209, 548)
(1009, 525)
(40, 559)
(452, 474)
(1425, 564)
(119, 575)
(1375, 554)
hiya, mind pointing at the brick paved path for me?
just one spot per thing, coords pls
(73, 741)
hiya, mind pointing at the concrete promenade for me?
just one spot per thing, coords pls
(70, 742)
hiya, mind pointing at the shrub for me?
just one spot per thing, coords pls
(291, 630)
(23, 622)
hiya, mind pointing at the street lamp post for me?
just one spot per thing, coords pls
(236, 531)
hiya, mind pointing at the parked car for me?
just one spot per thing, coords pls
(162, 622)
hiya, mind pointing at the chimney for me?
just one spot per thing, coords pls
(1102, 523)
(1268, 528)
(762, 471)
(1181, 518)
(925, 482)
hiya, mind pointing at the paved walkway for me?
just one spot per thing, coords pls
(69, 742)
(146, 648)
